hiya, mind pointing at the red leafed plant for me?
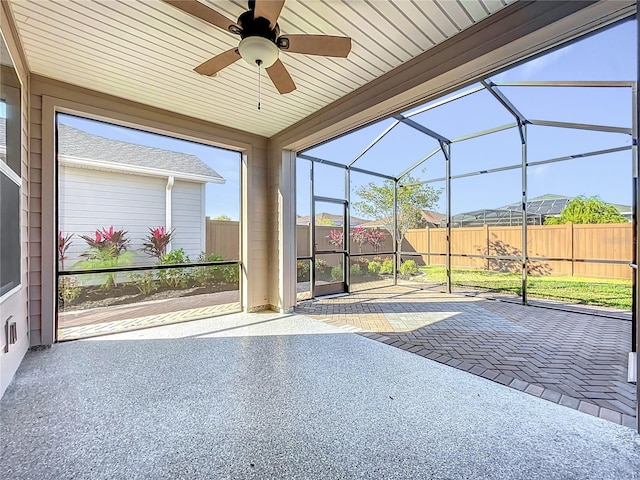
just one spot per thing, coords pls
(375, 238)
(111, 242)
(336, 238)
(64, 242)
(359, 237)
(157, 241)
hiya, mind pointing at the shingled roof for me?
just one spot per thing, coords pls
(78, 144)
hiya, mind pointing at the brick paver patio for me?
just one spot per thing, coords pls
(573, 359)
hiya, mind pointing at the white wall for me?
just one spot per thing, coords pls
(91, 199)
(16, 304)
(187, 217)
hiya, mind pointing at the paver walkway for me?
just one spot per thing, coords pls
(121, 318)
(574, 359)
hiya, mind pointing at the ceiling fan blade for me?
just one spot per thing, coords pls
(269, 9)
(325, 45)
(217, 63)
(281, 78)
(203, 12)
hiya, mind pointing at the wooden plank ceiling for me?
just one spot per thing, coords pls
(145, 51)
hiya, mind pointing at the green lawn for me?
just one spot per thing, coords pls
(588, 291)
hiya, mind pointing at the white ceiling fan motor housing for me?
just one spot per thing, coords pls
(258, 49)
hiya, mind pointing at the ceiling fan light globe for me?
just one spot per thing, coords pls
(258, 51)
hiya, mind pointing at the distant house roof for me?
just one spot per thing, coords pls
(551, 204)
(538, 208)
(337, 219)
(430, 217)
(86, 149)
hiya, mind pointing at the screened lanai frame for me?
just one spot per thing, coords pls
(520, 122)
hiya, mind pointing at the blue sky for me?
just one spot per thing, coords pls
(608, 55)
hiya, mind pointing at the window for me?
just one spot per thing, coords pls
(10, 181)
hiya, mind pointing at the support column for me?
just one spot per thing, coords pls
(346, 228)
(523, 138)
(636, 135)
(446, 149)
(395, 232)
(287, 232)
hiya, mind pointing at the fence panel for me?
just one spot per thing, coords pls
(223, 237)
(571, 243)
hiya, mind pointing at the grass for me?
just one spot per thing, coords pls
(613, 293)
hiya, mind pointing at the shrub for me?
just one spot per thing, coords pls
(374, 267)
(321, 265)
(355, 270)
(174, 277)
(387, 266)
(144, 282)
(337, 273)
(408, 268)
(68, 290)
(208, 275)
(302, 268)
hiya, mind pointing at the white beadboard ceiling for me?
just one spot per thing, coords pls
(145, 51)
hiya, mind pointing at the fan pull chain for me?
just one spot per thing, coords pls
(259, 62)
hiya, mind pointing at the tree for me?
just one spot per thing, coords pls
(587, 210)
(325, 222)
(223, 217)
(376, 201)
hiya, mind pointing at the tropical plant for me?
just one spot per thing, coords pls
(107, 249)
(156, 242)
(64, 242)
(583, 209)
(111, 242)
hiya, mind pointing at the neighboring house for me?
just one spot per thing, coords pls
(336, 219)
(538, 209)
(104, 182)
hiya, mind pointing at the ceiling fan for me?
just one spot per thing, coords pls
(261, 42)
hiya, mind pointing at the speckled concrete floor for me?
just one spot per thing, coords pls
(269, 397)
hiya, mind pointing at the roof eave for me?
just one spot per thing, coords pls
(148, 171)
